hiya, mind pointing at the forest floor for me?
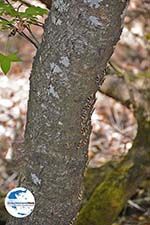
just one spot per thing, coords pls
(114, 126)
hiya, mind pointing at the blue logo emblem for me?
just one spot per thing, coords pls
(20, 202)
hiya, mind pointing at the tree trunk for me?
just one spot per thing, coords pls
(78, 40)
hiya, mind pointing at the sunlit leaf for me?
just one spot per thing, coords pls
(35, 11)
(4, 22)
(7, 9)
(6, 60)
(5, 63)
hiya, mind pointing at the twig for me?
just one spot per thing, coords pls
(29, 30)
(116, 69)
(21, 33)
(25, 3)
(8, 3)
(124, 76)
(140, 200)
(19, 7)
(35, 41)
(28, 38)
(133, 204)
(11, 178)
(37, 24)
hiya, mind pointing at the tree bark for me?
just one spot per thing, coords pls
(78, 40)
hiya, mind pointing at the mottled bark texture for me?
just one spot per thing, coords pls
(78, 40)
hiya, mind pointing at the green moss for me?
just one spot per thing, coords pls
(108, 198)
(104, 205)
(93, 177)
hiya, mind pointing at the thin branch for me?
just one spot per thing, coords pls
(29, 30)
(28, 38)
(8, 3)
(25, 3)
(35, 41)
(11, 25)
(134, 205)
(126, 79)
(19, 7)
(119, 73)
(20, 33)
(37, 24)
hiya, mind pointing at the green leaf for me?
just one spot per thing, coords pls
(5, 66)
(32, 12)
(6, 60)
(5, 63)
(35, 11)
(5, 24)
(14, 58)
(7, 9)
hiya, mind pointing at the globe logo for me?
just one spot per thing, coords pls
(19, 202)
